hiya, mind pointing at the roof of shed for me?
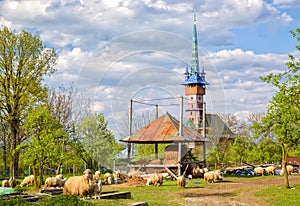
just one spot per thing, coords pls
(165, 129)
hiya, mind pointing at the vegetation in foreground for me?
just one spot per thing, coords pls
(278, 195)
(170, 194)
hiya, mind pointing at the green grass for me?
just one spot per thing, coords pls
(154, 195)
(279, 195)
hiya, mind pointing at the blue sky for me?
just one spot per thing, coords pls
(117, 50)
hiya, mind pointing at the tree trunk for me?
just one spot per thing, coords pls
(41, 178)
(35, 178)
(283, 164)
(4, 156)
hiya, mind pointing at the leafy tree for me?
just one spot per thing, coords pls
(95, 142)
(44, 144)
(283, 113)
(241, 147)
(24, 61)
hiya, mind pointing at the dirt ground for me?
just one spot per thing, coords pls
(226, 193)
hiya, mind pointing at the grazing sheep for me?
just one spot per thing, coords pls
(5, 183)
(181, 181)
(212, 176)
(259, 170)
(270, 169)
(27, 180)
(79, 185)
(96, 190)
(54, 182)
(156, 179)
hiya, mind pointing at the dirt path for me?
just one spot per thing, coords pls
(237, 193)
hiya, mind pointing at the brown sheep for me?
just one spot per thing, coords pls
(181, 181)
(27, 180)
(60, 176)
(259, 170)
(156, 179)
(79, 185)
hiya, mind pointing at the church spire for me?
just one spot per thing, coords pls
(195, 60)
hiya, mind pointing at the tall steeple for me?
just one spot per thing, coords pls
(195, 60)
(195, 84)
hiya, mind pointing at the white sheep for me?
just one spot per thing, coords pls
(289, 169)
(5, 183)
(259, 170)
(212, 176)
(156, 179)
(270, 169)
(54, 182)
(107, 178)
(97, 176)
(27, 180)
(79, 185)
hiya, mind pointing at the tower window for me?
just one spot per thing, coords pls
(191, 113)
(191, 98)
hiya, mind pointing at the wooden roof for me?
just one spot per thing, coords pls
(165, 129)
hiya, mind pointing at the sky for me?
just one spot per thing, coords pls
(114, 51)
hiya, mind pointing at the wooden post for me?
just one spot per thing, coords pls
(204, 131)
(180, 134)
(156, 111)
(129, 131)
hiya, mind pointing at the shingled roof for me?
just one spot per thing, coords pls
(165, 129)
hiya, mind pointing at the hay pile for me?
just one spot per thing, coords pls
(135, 181)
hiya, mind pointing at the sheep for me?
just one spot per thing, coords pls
(27, 180)
(96, 190)
(270, 169)
(181, 181)
(60, 176)
(259, 170)
(97, 176)
(289, 169)
(79, 185)
(107, 178)
(5, 183)
(212, 176)
(54, 182)
(156, 179)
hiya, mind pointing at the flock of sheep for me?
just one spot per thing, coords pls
(89, 185)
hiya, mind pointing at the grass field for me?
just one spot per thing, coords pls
(269, 190)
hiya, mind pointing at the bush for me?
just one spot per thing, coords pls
(14, 201)
(63, 200)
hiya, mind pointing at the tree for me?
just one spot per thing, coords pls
(24, 61)
(44, 144)
(95, 142)
(283, 113)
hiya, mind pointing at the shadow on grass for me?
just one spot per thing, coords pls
(219, 194)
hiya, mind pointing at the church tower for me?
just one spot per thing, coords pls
(195, 85)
